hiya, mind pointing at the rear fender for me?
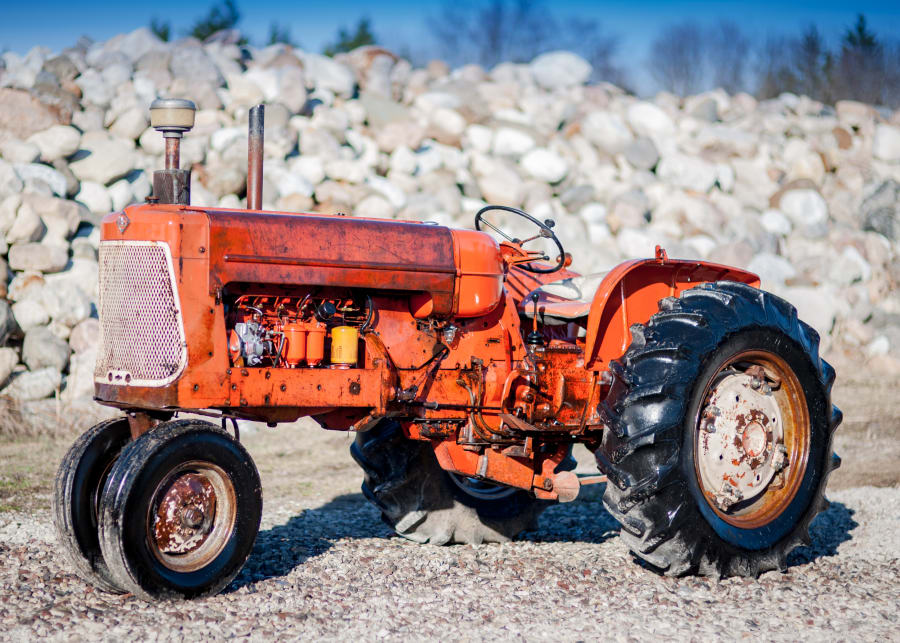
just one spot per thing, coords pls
(630, 294)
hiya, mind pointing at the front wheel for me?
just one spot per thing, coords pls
(180, 512)
(720, 427)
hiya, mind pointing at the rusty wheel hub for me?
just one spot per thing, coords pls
(185, 514)
(192, 516)
(752, 439)
(741, 433)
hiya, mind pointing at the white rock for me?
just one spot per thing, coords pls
(545, 165)
(26, 227)
(66, 304)
(805, 208)
(244, 92)
(30, 313)
(478, 137)
(345, 170)
(9, 208)
(607, 131)
(509, 141)
(8, 360)
(35, 385)
(886, 143)
(325, 73)
(39, 257)
(502, 186)
(16, 151)
(375, 206)
(80, 383)
(130, 124)
(635, 243)
(121, 194)
(95, 197)
(646, 119)
(42, 349)
(288, 182)
(449, 124)
(848, 267)
(560, 69)
(310, 168)
(772, 269)
(776, 222)
(85, 335)
(818, 307)
(35, 175)
(10, 183)
(687, 172)
(103, 158)
(881, 345)
(394, 194)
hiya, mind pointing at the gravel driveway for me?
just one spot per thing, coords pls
(324, 566)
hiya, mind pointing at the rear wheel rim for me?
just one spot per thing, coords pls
(191, 516)
(751, 439)
(481, 489)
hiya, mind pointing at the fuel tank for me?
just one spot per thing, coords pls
(445, 272)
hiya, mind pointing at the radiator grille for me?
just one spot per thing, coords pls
(141, 330)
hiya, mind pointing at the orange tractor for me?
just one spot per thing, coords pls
(467, 367)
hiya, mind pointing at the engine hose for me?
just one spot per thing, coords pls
(369, 316)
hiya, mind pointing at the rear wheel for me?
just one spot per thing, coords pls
(426, 504)
(720, 427)
(180, 512)
(76, 499)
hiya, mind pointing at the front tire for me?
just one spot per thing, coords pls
(180, 512)
(425, 504)
(76, 499)
(720, 427)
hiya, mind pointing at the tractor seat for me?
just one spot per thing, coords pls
(563, 301)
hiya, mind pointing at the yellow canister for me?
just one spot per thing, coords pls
(344, 341)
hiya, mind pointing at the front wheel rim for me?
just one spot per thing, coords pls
(751, 439)
(191, 516)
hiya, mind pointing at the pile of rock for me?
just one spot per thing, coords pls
(804, 194)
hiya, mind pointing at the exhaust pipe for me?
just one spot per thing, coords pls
(255, 142)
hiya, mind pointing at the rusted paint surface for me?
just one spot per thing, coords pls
(185, 514)
(441, 339)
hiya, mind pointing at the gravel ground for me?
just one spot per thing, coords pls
(324, 566)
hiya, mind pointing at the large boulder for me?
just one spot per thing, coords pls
(34, 385)
(103, 158)
(43, 349)
(22, 113)
(560, 69)
(38, 256)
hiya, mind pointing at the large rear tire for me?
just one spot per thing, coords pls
(425, 504)
(720, 428)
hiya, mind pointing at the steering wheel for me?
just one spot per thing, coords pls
(545, 232)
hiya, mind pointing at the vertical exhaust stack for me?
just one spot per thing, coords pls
(255, 144)
(172, 117)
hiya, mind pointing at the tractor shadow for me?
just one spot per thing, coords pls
(282, 548)
(827, 532)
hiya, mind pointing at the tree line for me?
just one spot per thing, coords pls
(684, 58)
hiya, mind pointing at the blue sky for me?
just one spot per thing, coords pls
(58, 23)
